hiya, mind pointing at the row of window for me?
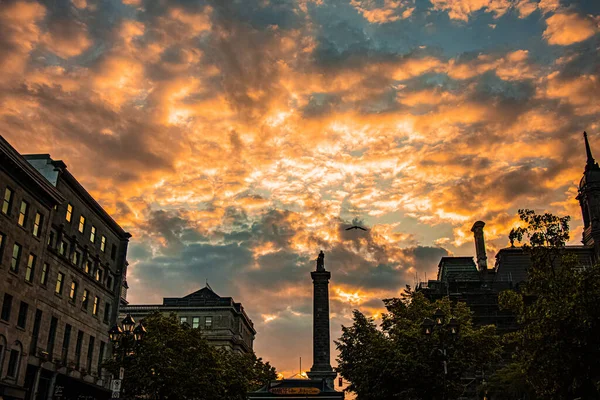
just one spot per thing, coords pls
(195, 322)
(22, 219)
(60, 281)
(77, 258)
(13, 365)
(93, 231)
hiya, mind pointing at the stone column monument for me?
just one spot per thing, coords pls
(321, 368)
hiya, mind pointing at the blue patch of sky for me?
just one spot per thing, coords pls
(343, 32)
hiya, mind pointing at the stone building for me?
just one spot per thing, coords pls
(478, 285)
(223, 322)
(63, 261)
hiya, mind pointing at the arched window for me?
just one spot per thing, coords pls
(14, 360)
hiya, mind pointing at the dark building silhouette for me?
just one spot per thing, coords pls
(478, 285)
(62, 261)
(320, 384)
(223, 322)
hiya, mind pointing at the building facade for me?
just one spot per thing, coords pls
(478, 285)
(63, 261)
(224, 322)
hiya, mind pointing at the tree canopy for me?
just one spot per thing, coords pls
(175, 362)
(397, 361)
(557, 346)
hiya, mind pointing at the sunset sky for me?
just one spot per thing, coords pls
(236, 139)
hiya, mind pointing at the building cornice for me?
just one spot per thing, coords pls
(20, 162)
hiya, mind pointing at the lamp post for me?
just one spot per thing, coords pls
(445, 330)
(124, 339)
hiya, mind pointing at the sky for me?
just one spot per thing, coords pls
(235, 139)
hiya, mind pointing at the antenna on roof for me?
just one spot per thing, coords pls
(208, 286)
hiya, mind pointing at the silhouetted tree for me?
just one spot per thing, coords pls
(557, 347)
(397, 361)
(175, 362)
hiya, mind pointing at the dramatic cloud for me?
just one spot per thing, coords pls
(567, 28)
(237, 139)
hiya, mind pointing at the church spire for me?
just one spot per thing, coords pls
(590, 163)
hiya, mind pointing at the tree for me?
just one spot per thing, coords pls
(175, 362)
(397, 361)
(558, 342)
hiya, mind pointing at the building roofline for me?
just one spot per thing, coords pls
(21, 162)
(82, 192)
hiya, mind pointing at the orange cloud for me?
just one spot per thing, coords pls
(67, 38)
(565, 28)
(462, 9)
(19, 34)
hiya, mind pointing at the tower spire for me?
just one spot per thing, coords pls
(590, 163)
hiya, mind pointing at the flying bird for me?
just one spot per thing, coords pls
(356, 227)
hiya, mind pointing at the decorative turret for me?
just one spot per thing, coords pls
(589, 198)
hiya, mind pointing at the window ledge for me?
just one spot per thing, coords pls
(4, 322)
(20, 328)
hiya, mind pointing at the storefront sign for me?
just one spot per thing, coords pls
(295, 390)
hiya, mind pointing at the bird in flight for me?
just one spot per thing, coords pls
(356, 227)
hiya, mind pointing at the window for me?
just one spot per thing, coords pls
(76, 257)
(88, 266)
(90, 354)
(96, 305)
(63, 248)
(103, 243)
(51, 336)
(69, 215)
(37, 224)
(81, 224)
(2, 241)
(113, 252)
(208, 323)
(13, 363)
(183, 320)
(37, 322)
(109, 283)
(78, 346)
(65, 343)
(73, 292)
(30, 268)
(195, 322)
(16, 258)
(85, 299)
(45, 272)
(99, 275)
(7, 202)
(101, 357)
(22, 318)
(106, 312)
(23, 213)
(6, 307)
(51, 238)
(93, 234)
(59, 283)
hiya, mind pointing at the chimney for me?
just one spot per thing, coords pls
(477, 230)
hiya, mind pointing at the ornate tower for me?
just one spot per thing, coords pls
(589, 199)
(321, 368)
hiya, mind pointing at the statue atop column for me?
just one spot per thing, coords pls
(321, 261)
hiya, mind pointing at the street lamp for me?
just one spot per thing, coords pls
(451, 329)
(124, 339)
